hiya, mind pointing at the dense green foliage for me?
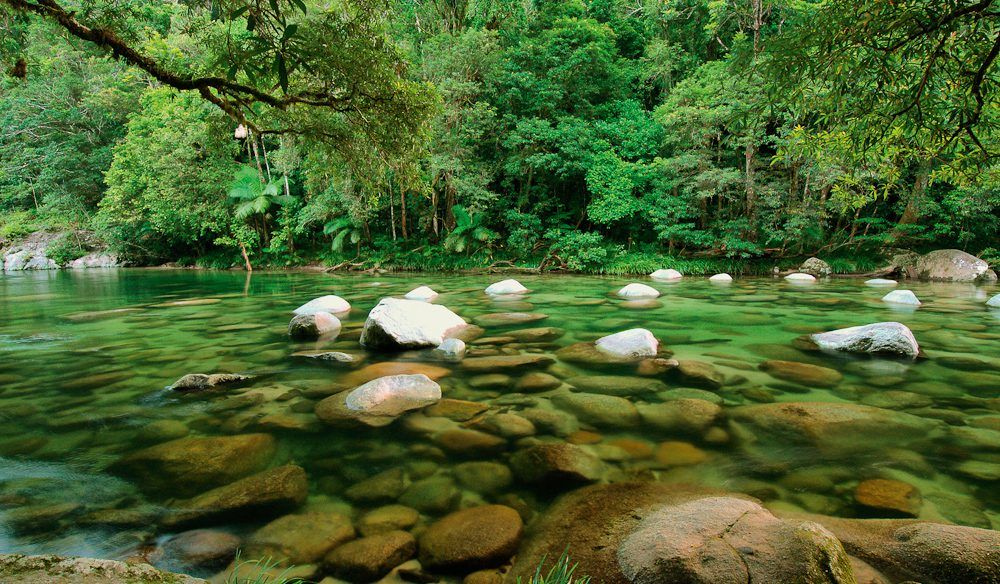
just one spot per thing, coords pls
(591, 135)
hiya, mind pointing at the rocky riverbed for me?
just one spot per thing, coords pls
(714, 432)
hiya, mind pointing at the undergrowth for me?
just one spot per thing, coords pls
(562, 572)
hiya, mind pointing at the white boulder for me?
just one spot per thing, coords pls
(313, 326)
(380, 401)
(506, 287)
(668, 274)
(636, 290)
(906, 297)
(408, 324)
(721, 278)
(330, 303)
(451, 349)
(637, 342)
(994, 302)
(424, 293)
(891, 338)
(881, 282)
(800, 277)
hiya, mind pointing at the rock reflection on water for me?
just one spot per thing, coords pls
(86, 359)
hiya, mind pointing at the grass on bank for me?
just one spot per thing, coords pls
(260, 571)
(561, 572)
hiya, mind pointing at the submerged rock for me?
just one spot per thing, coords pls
(802, 373)
(190, 465)
(330, 303)
(906, 297)
(299, 539)
(949, 265)
(685, 415)
(509, 318)
(888, 497)
(201, 381)
(631, 344)
(726, 539)
(695, 373)
(470, 539)
(887, 338)
(388, 518)
(606, 411)
(370, 558)
(506, 287)
(312, 326)
(380, 401)
(262, 495)
(202, 548)
(836, 429)
(881, 282)
(507, 362)
(816, 267)
(421, 293)
(619, 385)
(667, 274)
(396, 324)
(556, 465)
(636, 290)
(800, 277)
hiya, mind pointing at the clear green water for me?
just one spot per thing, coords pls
(85, 358)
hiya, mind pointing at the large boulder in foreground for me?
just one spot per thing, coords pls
(470, 539)
(730, 540)
(380, 401)
(880, 338)
(921, 551)
(948, 265)
(396, 324)
(835, 429)
(188, 466)
(63, 570)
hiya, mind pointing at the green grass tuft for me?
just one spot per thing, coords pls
(259, 572)
(560, 573)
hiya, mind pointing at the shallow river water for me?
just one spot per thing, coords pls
(86, 359)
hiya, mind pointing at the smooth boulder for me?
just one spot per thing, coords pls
(263, 495)
(424, 293)
(202, 381)
(800, 277)
(451, 349)
(667, 274)
(396, 324)
(636, 290)
(881, 282)
(187, 466)
(312, 326)
(949, 265)
(300, 538)
(471, 539)
(370, 558)
(816, 267)
(506, 287)
(721, 278)
(557, 464)
(905, 297)
(330, 303)
(723, 540)
(881, 338)
(631, 344)
(380, 401)
(994, 302)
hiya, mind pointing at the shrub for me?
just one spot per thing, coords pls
(560, 573)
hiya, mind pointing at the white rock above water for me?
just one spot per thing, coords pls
(330, 303)
(668, 274)
(882, 337)
(393, 395)
(506, 287)
(451, 349)
(994, 302)
(721, 278)
(906, 297)
(636, 290)
(881, 282)
(422, 293)
(632, 343)
(408, 324)
(800, 277)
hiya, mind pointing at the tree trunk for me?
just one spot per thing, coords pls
(912, 212)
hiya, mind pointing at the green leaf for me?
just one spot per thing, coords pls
(282, 72)
(289, 32)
